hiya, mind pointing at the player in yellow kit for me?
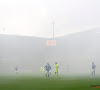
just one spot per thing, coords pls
(56, 70)
(42, 69)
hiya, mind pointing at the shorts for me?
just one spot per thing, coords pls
(56, 70)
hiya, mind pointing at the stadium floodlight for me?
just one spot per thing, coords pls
(53, 27)
(51, 42)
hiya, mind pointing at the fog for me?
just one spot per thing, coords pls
(34, 17)
(74, 53)
(26, 25)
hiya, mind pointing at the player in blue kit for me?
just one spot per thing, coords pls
(47, 68)
(93, 69)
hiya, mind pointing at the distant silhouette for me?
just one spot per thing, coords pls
(16, 69)
(93, 69)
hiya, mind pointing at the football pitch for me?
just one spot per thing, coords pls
(39, 83)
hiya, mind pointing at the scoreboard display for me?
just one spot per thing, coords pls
(50, 42)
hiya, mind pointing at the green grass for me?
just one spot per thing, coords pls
(39, 83)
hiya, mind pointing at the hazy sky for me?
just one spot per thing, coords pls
(34, 17)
